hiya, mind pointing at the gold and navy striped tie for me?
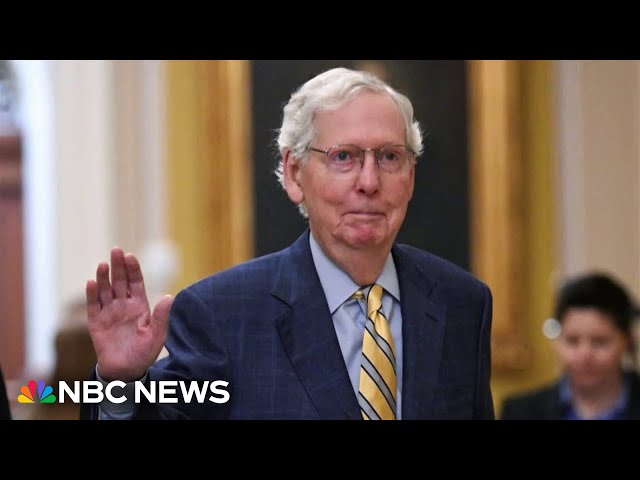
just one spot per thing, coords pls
(377, 395)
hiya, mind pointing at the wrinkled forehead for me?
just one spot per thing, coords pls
(376, 99)
(369, 115)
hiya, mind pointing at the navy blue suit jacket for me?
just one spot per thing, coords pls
(265, 327)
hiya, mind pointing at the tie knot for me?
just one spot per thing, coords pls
(374, 300)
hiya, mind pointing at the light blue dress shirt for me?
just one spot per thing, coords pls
(617, 412)
(350, 315)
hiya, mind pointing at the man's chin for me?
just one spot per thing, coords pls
(366, 239)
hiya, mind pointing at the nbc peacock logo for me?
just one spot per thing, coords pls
(36, 393)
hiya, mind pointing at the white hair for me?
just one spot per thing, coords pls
(328, 91)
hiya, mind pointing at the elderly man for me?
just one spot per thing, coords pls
(342, 324)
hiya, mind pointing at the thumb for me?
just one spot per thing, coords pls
(161, 311)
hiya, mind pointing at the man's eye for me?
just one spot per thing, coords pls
(342, 156)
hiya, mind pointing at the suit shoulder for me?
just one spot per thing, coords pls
(530, 403)
(254, 274)
(531, 395)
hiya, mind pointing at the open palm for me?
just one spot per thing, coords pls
(126, 335)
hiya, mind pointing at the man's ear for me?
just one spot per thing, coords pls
(292, 174)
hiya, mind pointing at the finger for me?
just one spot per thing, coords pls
(134, 276)
(93, 299)
(161, 312)
(118, 273)
(104, 286)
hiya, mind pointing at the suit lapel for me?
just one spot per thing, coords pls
(307, 332)
(423, 323)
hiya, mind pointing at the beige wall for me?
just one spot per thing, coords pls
(599, 168)
(94, 136)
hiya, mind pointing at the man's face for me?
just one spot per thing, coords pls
(365, 208)
(591, 348)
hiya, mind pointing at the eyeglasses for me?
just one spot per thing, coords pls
(347, 158)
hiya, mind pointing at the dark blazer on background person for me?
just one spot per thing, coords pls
(265, 327)
(545, 403)
(5, 411)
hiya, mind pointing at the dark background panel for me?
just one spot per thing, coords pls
(438, 215)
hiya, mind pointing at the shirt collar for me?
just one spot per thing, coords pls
(566, 398)
(338, 286)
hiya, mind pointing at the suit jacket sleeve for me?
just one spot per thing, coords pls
(197, 353)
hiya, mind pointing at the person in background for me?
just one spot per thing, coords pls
(345, 323)
(595, 349)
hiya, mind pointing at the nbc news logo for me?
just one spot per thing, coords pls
(42, 393)
(164, 391)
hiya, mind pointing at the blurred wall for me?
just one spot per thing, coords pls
(581, 121)
(598, 112)
(531, 236)
(94, 164)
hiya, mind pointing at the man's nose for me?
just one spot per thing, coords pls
(369, 175)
